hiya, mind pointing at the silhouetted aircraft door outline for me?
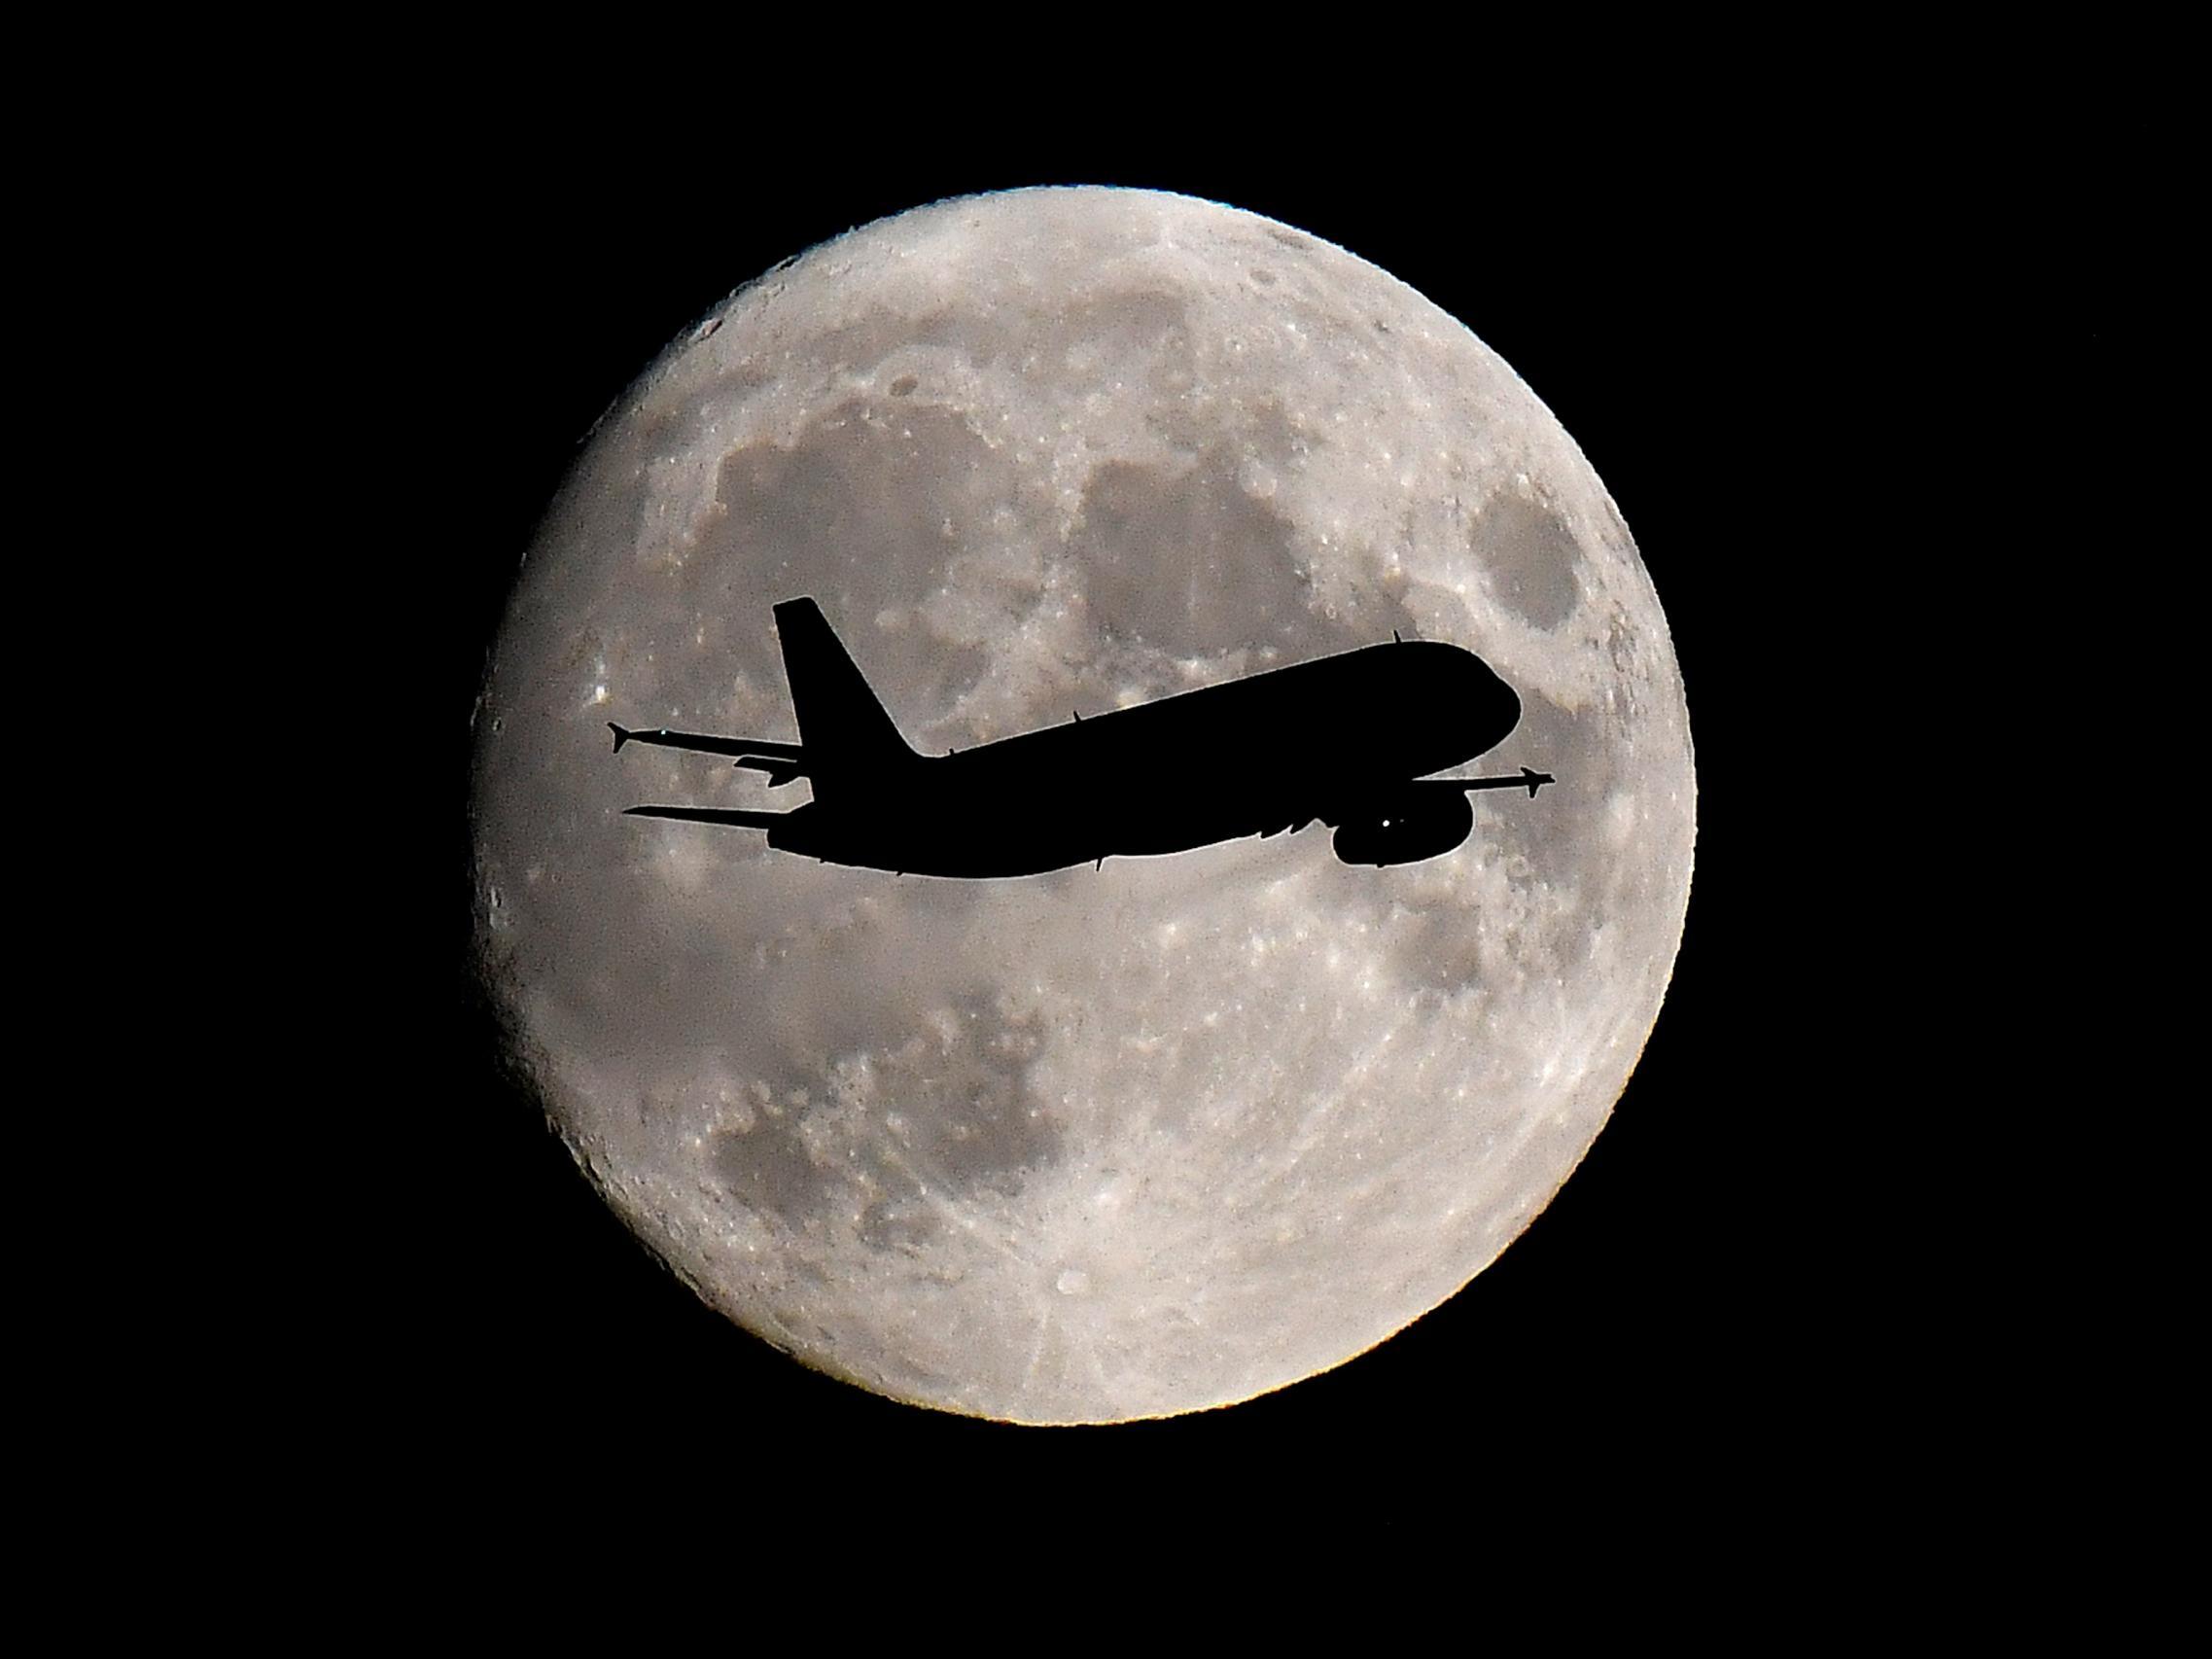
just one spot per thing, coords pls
(1185, 771)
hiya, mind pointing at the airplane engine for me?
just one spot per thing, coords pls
(1416, 827)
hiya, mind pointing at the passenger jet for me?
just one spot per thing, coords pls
(1348, 741)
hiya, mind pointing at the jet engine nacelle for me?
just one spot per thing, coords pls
(1421, 824)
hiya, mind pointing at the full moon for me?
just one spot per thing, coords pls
(1119, 1142)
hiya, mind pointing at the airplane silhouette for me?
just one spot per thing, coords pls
(1345, 740)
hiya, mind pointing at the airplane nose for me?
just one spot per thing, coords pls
(1497, 704)
(1508, 709)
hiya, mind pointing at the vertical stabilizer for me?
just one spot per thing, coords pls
(849, 740)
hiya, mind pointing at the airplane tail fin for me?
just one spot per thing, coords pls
(843, 726)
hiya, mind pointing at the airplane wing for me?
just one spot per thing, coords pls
(709, 815)
(782, 761)
(1337, 808)
(1533, 781)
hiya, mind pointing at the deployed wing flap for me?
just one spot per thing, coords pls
(779, 772)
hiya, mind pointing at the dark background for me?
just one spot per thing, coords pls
(1719, 323)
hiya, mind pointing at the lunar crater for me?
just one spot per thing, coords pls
(1531, 559)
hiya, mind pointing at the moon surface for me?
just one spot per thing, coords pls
(1105, 1144)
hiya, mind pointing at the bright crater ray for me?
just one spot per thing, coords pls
(1102, 1144)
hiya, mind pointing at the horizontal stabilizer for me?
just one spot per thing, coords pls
(710, 815)
(743, 748)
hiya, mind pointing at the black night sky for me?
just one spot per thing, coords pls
(1708, 319)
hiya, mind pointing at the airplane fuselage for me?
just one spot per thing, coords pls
(1254, 756)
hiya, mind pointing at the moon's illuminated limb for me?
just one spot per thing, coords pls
(1108, 1144)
